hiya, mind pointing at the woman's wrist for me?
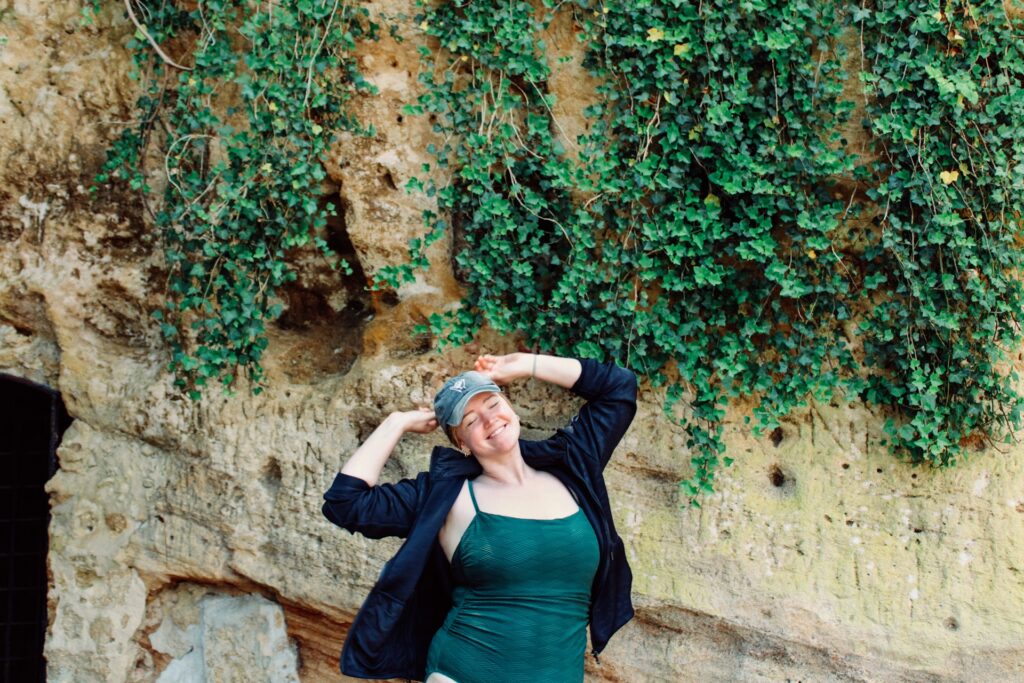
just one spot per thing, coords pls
(397, 421)
(527, 365)
(557, 370)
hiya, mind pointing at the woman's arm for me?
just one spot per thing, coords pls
(503, 369)
(356, 502)
(369, 459)
(374, 511)
(610, 392)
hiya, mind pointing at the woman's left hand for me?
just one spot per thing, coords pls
(504, 369)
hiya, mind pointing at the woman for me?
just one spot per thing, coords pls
(510, 546)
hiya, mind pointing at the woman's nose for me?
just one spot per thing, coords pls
(490, 414)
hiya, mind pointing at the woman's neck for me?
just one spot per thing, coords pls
(506, 470)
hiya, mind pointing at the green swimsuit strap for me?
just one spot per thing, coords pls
(472, 496)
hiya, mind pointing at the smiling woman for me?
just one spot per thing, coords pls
(473, 594)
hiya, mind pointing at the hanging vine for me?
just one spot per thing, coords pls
(944, 88)
(701, 230)
(695, 239)
(240, 102)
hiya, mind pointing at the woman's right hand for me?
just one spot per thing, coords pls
(368, 460)
(420, 421)
(504, 369)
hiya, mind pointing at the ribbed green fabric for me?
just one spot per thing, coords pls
(521, 602)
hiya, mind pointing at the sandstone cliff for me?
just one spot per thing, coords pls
(186, 540)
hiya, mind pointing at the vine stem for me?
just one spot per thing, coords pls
(167, 168)
(142, 29)
(316, 53)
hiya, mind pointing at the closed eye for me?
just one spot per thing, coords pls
(471, 420)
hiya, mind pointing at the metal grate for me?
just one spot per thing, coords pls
(32, 420)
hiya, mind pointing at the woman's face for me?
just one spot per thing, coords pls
(489, 425)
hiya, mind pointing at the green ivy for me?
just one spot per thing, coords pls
(240, 103)
(695, 237)
(701, 234)
(700, 230)
(945, 100)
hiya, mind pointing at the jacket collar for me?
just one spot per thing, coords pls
(446, 462)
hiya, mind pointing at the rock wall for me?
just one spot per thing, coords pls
(186, 540)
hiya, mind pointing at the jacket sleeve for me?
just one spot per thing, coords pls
(610, 392)
(374, 511)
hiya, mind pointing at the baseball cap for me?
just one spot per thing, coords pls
(450, 402)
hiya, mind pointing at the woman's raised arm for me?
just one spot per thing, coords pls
(610, 392)
(356, 502)
(503, 369)
(369, 459)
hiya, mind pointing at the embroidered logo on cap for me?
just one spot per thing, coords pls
(459, 386)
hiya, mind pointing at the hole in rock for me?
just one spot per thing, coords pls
(270, 477)
(776, 476)
(776, 436)
(388, 297)
(32, 423)
(320, 329)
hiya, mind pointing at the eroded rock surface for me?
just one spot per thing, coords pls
(176, 525)
(239, 639)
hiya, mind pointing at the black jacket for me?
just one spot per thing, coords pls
(391, 633)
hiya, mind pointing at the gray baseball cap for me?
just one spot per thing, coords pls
(450, 402)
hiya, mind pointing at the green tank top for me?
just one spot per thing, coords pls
(521, 601)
